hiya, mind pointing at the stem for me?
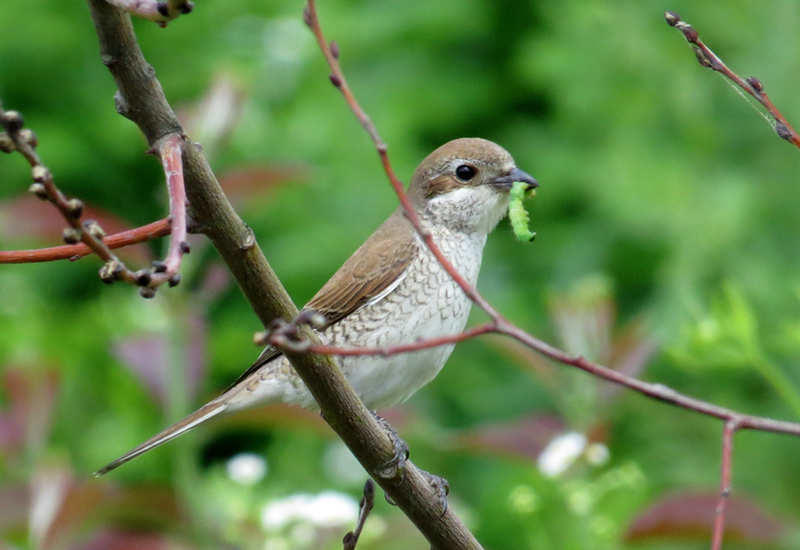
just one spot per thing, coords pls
(76, 251)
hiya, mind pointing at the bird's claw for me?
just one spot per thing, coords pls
(394, 466)
(440, 486)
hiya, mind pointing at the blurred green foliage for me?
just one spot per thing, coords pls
(657, 180)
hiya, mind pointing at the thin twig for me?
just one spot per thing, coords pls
(340, 82)
(406, 348)
(653, 390)
(725, 483)
(169, 149)
(76, 251)
(350, 539)
(499, 324)
(750, 85)
(90, 232)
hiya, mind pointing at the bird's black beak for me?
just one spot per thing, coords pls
(516, 174)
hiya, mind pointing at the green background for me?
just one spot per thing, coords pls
(666, 221)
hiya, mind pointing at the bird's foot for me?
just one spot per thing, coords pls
(394, 466)
(440, 487)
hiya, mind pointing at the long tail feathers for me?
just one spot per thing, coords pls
(202, 414)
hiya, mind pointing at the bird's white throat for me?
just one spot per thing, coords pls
(468, 209)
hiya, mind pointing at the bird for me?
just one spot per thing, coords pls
(391, 291)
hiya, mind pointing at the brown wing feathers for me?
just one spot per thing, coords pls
(369, 271)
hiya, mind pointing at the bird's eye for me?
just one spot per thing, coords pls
(465, 172)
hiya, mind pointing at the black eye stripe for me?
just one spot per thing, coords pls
(465, 172)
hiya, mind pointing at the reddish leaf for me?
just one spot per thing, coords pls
(691, 515)
(89, 503)
(113, 539)
(245, 182)
(31, 394)
(525, 437)
(146, 357)
(29, 218)
(72, 504)
(14, 506)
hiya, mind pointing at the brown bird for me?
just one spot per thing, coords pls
(391, 290)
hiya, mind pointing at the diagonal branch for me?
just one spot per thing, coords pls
(734, 420)
(499, 324)
(331, 53)
(143, 101)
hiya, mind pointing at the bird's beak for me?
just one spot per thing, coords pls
(505, 182)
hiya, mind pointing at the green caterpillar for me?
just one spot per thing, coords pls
(517, 213)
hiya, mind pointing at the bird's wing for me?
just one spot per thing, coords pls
(373, 269)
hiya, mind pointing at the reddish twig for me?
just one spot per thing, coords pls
(89, 232)
(160, 12)
(76, 251)
(725, 483)
(734, 420)
(653, 390)
(750, 85)
(170, 149)
(404, 348)
(331, 53)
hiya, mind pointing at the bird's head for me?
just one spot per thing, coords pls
(465, 183)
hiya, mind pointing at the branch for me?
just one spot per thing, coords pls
(734, 420)
(750, 85)
(350, 539)
(90, 233)
(331, 53)
(76, 251)
(499, 324)
(142, 99)
(169, 148)
(276, 338)
(725, 484)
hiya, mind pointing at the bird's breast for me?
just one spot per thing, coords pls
(427, 303)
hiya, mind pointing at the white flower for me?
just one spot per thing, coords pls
(560, 453)
(246, 468)
(328, 509)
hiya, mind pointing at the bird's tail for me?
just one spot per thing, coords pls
(207, 411)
